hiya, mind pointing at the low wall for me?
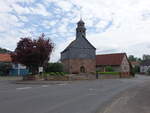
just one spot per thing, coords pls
(107, 76)
(125, 74)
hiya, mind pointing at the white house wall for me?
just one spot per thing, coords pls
(144, 69)
(125, 67)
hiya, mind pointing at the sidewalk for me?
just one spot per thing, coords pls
(135, 100)
(10, 78)
(41, 82)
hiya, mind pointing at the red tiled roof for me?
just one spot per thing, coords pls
(135, 63)
(110, 59)
(5, 57)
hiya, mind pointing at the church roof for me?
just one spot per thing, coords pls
(80, 41)
(72, 43)
(81, 21)
(68, 46)
(110, 59)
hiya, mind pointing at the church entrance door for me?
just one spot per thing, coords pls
(82, 69)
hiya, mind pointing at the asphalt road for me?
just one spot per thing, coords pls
(76, 97)
(133, 100)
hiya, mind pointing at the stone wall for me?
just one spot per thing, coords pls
(74, 65)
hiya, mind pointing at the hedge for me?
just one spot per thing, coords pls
(54, 67)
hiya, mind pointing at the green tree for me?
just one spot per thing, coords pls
(109, 69)
(54, 67)
(132, 58)
(5, 68)
(2, 50)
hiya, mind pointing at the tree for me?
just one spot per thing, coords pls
(132, 58)
(54, 67)
(109, 69)
(5, 68)
(2, 50)
(33, 53)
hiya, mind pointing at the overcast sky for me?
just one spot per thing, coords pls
(112, 25)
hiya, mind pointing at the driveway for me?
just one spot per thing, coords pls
(76, 97)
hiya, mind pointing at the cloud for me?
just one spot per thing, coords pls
(65, 5)
(21, 10)
(40, 9)
(112, 25)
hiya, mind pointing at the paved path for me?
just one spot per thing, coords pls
(76, 97)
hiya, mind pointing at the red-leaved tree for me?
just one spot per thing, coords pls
(33, 53)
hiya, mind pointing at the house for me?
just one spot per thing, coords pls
(79, 56)
(118, 61)
(5, 61)
(135, 64)
(145, 67)
(17, 69)
(5, 57)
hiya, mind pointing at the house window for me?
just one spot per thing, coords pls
(82, 69)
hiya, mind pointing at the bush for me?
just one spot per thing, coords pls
(52, 74)
(148, 71)
(132, 72)
(109, 69)
(54, 67)
(137, 69)
(55, 73)
(62, 73)
(5, 68)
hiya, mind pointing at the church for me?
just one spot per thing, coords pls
(80, 55)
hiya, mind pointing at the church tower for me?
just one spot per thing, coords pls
(80, 30)
(80, 55)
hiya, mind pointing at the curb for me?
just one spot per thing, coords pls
(41, 82)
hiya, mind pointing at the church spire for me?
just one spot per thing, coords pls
(80, 30)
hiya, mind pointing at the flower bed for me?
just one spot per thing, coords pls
(55, 76)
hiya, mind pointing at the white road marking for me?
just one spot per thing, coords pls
(44, 85)
(91, 94)
(91, 89)
(61, 84)
(23, 88)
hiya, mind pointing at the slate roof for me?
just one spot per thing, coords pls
(110, 59)
(68, 46)
(5, 57)
(72, 43)
(145, 63)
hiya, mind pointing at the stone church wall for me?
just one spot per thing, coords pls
(74, 65)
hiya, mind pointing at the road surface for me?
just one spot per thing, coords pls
(75, 97)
